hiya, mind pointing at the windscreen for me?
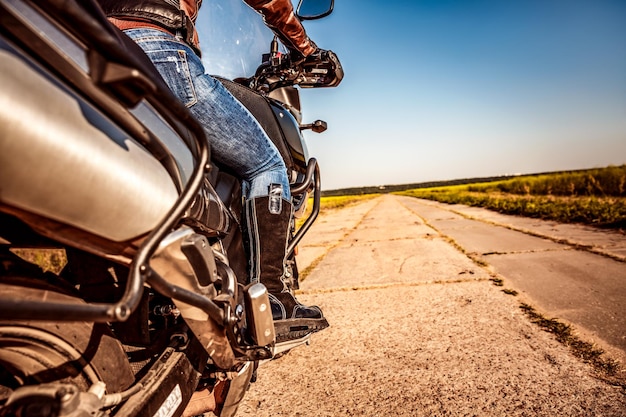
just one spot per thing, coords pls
(233, 38)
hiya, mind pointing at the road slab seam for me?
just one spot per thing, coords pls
(575, 245)
(389, 285)
(498, 280)
(304, 273)
(479, 262)
(522, 252)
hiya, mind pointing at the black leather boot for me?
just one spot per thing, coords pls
(268, 221)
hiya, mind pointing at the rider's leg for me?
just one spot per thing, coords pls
(238, 142)
(268, 220)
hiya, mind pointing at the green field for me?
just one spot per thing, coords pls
(595, 197)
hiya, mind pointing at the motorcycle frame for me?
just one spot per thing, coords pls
(130, 84)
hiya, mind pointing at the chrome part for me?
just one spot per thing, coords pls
(283, 347)
(55, 38)
(239, 310)
(276, 199)
(146, 114)
(171, 263)
(318, 126)
(199, 253)
(121, 183)
(63, 159)
(166, 310)
(237, 389)
(207, 314)
(259, 315)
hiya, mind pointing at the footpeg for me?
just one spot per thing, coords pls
(282, 347)
(297, 328)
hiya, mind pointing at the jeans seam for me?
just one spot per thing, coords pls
(187, 71)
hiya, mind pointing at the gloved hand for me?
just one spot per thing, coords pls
(320, 69)
(296, 57)
(319, 55)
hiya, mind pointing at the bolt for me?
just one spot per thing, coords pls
(65, 394)
(239, 311)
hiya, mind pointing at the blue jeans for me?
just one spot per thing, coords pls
(237, 140)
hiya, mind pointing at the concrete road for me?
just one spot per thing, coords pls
(574, 273)
(419, 329)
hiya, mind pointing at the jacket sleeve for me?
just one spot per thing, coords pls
(280, 17)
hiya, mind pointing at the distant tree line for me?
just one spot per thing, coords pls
(384, 189)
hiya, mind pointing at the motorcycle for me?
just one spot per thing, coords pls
(152, 309)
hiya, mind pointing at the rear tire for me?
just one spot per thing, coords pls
(38, 352)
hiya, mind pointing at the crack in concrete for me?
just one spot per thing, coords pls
(389, 285)
(521, 252)
(403, 262)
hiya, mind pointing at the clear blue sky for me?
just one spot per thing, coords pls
(447, 89)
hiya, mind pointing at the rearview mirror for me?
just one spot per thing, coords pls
(314, 9)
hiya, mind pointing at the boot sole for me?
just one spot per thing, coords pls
(297, 328)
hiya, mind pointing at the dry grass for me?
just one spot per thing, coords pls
(49, 260)
(586, 351)
(596, 197)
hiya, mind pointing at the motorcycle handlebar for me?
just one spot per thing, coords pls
(321, 69)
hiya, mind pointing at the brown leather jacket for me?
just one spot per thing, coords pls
(279, 16)
(163, 15)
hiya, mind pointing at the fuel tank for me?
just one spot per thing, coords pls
(64, 160)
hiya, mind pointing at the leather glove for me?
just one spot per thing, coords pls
(321, 69)
(296, 57)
